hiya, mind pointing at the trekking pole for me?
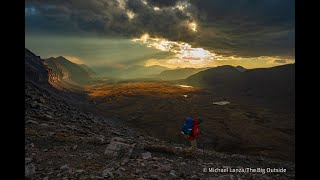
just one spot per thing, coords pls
(203, 152)
(203, 142)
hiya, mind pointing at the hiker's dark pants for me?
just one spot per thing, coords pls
(193, 143)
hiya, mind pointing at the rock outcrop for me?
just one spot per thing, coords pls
(63, 70)
(35, 70)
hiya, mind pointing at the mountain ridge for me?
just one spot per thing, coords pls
(179, 73)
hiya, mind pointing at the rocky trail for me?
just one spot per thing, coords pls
(61, 142)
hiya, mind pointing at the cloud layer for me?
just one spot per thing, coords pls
(245, 28)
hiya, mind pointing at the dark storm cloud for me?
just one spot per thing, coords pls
(232, 27)
(102, 17)
(167, 22)
(247, 27)
(109, 17)
(163, 3)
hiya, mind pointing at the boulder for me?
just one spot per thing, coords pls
(29, 170)
(107, 173)
(146, 155)
(173, 175)
(183, 163)
(115, 147)
(119, 139)
(153, 176)
(27, 160)
(74, 147)
(166, 167)
(64, 167)
(44, 124)
(79, 171)
(31, 122)
(194, 177)
(224, 177)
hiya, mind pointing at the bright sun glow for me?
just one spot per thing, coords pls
(144, 38)
(74, 59)
(184, 52)
(193, 26)
(145, 2)
(181, 5)
(184, 55)
(130, 14)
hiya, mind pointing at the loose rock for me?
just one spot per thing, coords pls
(30, 169)
(146, 155)
(64, 167)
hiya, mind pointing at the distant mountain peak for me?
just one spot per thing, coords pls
(61, 58)
(225, 66)
(240, 68)
(180, 73)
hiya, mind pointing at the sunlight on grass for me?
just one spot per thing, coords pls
(137, 88)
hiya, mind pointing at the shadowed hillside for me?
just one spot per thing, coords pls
(181, 73)
(272, 87)
(35, 70)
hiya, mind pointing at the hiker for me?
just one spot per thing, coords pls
(191, 132)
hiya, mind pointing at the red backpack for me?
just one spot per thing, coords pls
(195, 130)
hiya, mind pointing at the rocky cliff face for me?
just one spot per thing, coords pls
(54, 77)
(57, 72)
(35, 70)
(65, 71)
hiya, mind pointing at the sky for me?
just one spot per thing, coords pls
(171, 33)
